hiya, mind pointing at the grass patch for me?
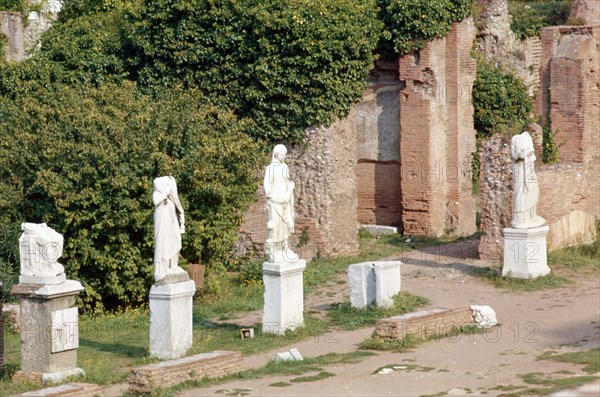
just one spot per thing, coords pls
(590, 358)
(345, 316)
(550, 384)
(494, 275)
(313, 378)
(280, 384)
(582, 258)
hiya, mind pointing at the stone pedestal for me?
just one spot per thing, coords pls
(284, 296)
(374, 282)
(171, 319)
(525, 252)
(49, 331)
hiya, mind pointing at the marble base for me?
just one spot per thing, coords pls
(525, 253)
(284, 296)
(374, 282)
(171, 319)
(49, 327)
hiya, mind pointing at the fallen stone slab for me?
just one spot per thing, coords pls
(377, 230)
(67, 390)
(423, 324)
(173, 372)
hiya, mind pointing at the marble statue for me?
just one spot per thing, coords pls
(279, 191)
(168, 228)
(40, 247)
(525, 183)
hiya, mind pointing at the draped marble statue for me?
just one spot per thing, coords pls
(279, 191)
(168, 228)
(525, 183)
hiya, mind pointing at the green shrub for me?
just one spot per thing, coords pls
(409, 24)
(12, 5)
(83, 160)
(530, 16)
(500, 102)
(286, 65)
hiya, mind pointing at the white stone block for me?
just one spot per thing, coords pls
(377, 230)
(525, 252)
(171, 319)
(484, 316)
(284, 296)
(57, 377)
(374, 282)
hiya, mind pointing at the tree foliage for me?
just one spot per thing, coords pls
(500, 101)
(409, 24)
(285, 65)
(83, 159)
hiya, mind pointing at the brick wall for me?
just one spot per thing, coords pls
(173, 372)
(11, 26)
(424, 324)
(588, 10)
(377, 124)
(437, 135)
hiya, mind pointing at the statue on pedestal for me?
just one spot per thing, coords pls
(168, 228)
(525, 183)
(279, 191)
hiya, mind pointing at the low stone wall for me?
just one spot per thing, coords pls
(424, 324)
(68, 390)
(169, 373)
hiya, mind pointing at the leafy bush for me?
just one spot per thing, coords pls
(83, 159)
(409, 24)
(286, 65)
(12, 5)
(530, 16)
(500, 101)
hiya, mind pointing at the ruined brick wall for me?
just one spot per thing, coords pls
(11, 26)
(569, 191)
(377, 123)
(499, 45)
(496, 196)
(588, 10)
(323, 170)
(437, 135)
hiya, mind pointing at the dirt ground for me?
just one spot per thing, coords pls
(563, 319)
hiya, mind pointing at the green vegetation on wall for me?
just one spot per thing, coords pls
(500, 102)
(530, 16)
(286, 65)
(409, 24)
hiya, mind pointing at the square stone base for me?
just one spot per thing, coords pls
(525, 253)
(284, 296)
(171, 319)
(374, 282)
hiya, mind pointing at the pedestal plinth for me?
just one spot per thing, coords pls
(171, 319)
(49, 331)
(284, 296)
(525, 252)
